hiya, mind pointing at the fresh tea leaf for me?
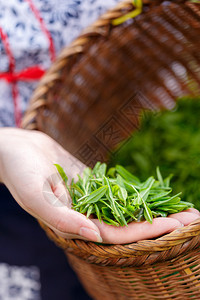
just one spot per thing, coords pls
(62, 173)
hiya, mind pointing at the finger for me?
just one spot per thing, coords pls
(136, 231)
(61, 199)
(193, 210)
(66, 222)
(185, 217)
(70, 224)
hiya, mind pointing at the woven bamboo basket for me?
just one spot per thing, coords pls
(90, 100)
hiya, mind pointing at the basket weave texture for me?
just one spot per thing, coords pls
(90, 100)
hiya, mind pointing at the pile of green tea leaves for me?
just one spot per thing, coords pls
(117, 197)
(171, 140)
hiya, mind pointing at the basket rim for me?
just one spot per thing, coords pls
(164, 243)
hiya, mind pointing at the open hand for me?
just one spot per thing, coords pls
(27, 168)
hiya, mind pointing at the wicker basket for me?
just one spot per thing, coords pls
(95, 91)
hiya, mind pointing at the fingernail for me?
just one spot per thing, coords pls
(90, 234)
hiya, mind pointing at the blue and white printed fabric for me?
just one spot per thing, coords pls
(64, 19)
(19, 283)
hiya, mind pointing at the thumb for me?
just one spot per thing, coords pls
(56, 212)
(51, 204)
(70, 224)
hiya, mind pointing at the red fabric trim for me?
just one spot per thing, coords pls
(17, 111)
(8, 50)
(32, 73)
(44, 29)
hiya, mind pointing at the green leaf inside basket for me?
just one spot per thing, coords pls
(118, 197)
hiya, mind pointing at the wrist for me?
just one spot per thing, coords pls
(5, 134)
